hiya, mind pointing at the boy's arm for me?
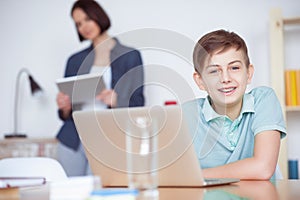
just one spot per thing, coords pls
(261, 166)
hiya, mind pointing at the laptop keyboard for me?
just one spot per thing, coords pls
(220, 181)
(213, 180)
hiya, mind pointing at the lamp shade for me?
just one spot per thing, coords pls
(33, 85)
(34, 88)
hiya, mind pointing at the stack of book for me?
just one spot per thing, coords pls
(292, 87)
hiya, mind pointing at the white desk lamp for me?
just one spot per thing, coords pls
(35, 88)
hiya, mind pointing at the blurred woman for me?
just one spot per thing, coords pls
(121, 68)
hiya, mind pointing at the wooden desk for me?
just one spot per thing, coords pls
(258, 190)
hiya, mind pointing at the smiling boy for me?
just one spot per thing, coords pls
(235, 134)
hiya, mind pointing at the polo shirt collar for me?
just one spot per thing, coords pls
(210, 113)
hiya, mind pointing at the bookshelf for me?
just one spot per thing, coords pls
(292, 108)
(277, 25)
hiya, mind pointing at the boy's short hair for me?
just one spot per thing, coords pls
(217, 41)
(95, 12)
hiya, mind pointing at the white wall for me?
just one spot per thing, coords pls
(40, 35)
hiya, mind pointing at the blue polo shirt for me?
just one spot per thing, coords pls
(218, 140)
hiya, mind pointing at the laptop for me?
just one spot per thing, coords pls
(103, 135)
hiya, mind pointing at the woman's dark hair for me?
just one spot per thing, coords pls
(95, 12)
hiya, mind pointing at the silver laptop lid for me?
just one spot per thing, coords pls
(103, 135)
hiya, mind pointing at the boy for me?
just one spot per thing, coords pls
(235, 134)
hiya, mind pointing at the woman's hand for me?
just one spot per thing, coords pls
(64, 104)
(109, 97)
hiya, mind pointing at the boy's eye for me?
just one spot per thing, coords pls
(213, 70)
(234, 68)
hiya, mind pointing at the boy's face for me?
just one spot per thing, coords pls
(225, 77)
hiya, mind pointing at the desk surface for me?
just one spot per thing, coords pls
(258, 190)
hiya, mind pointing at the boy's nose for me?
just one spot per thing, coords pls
(225, 77)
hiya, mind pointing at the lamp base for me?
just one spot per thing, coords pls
(15, 135)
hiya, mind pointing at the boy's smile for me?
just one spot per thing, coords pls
(225, 77)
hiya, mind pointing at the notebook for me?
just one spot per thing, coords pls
(103, 135)
(12, 182)
(81, 88)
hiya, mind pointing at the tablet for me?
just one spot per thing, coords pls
(81, 88)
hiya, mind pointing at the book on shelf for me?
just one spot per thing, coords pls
(298, 86)
(288, 94)
(292, 87)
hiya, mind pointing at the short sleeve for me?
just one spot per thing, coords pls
(268, 113)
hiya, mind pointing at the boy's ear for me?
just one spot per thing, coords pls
(250, 73)
(198, 79)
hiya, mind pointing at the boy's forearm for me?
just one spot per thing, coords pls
(259, 167)
(248, 168)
